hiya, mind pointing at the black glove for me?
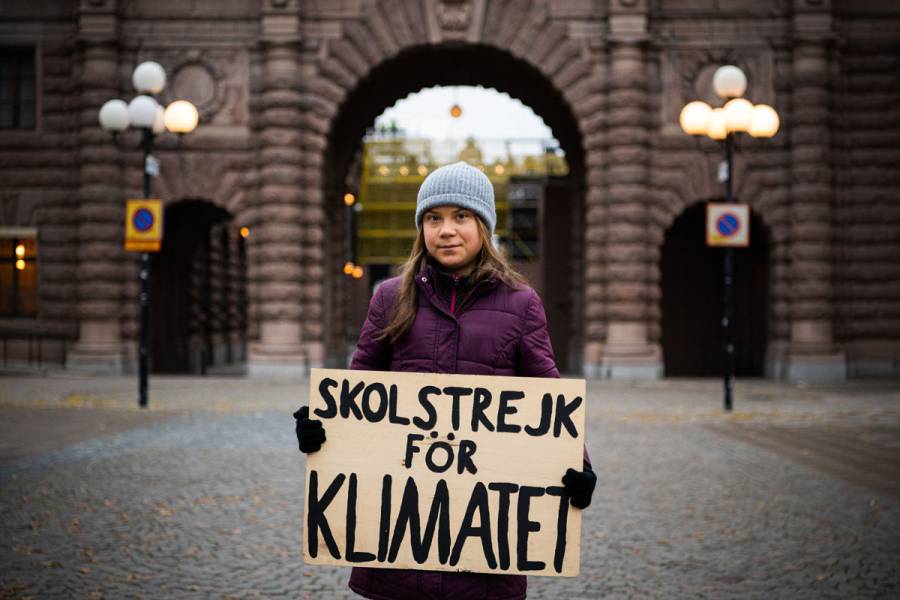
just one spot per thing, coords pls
(580, 486)
(310, 433)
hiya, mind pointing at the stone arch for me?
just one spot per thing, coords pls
(563, 85)
(446, 65)
(761, 180)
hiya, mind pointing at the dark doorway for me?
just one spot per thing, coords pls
(198, 292)
(692, 299)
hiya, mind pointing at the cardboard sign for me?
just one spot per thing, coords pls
(728, 225)
(143, 225)
(444, 472)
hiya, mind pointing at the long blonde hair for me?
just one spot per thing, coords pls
(489, 264)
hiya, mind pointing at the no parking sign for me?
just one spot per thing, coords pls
(143, 225)
(728, 225)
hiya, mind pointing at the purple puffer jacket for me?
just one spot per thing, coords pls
(497, 330)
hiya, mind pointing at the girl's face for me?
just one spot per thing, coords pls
(452, 238)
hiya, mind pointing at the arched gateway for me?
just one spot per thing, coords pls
(336, 86)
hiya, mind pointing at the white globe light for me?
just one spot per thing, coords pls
(738, 113)
(149, 78)
(181, 117)
(717, 129)
(765, 121)
(114, 116)
(159, 122)
(729, 82)
(142, 111)
(694, 117)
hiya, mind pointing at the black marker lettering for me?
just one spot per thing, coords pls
(384, 524)
(392, 412)
(524, 527)
(479, 502)
(506, 397)
(315, 514)
(436, 467)
(330, 410)
(411, 448)
(505, 490)
(480, 403)
(559, 554)
(464, 458)
(546, 409)
(352, 555)
(348, 399)
(373, 415)
(564, 415)
(438, 518)
(428, 406)
(456, 393)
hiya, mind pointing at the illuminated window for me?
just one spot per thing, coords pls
(18, 275)
(17, 88)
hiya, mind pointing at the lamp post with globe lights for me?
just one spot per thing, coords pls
(738, 115)
(146, 114)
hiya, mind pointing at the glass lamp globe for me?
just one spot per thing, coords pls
(764, 122)
(717, 128)
(159, 122)
(114, 116)
(181, 117)
(729, 82)
(694, 117)
(738, 113)
(142, 111)
(149, 78)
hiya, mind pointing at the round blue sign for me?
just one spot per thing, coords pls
(728, 224)
(142, 219)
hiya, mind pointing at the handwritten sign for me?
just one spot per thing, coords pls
(444, 472)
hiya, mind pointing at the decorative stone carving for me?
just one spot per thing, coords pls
(454, 15)
(215, 80)
(454, 19)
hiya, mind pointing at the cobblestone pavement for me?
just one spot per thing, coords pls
(791, 496)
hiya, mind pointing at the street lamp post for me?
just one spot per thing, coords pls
(723, 124)
(146, 114)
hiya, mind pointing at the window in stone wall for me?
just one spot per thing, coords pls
(17, 88)
(18, 274)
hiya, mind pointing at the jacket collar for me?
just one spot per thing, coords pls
(429, 282)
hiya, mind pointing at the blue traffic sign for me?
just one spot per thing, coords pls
(142, 219)
(728, 224)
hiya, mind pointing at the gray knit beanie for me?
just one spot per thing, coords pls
(459, 184)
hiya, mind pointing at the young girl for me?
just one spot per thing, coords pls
(458, 307)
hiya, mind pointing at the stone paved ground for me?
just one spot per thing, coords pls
(794, 495)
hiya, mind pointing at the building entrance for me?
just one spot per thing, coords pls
(692, 299)
(198, 293)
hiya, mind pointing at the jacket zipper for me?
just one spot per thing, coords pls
(453, 295)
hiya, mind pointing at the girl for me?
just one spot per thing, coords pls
(457, 307)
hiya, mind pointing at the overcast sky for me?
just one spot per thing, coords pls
(486, 114)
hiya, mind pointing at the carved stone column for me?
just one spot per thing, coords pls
(812, 354)
(279, 231)
(628, 353)
(101, 205)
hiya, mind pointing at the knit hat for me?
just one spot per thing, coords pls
(459, 184)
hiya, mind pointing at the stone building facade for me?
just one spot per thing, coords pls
(286, 89)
